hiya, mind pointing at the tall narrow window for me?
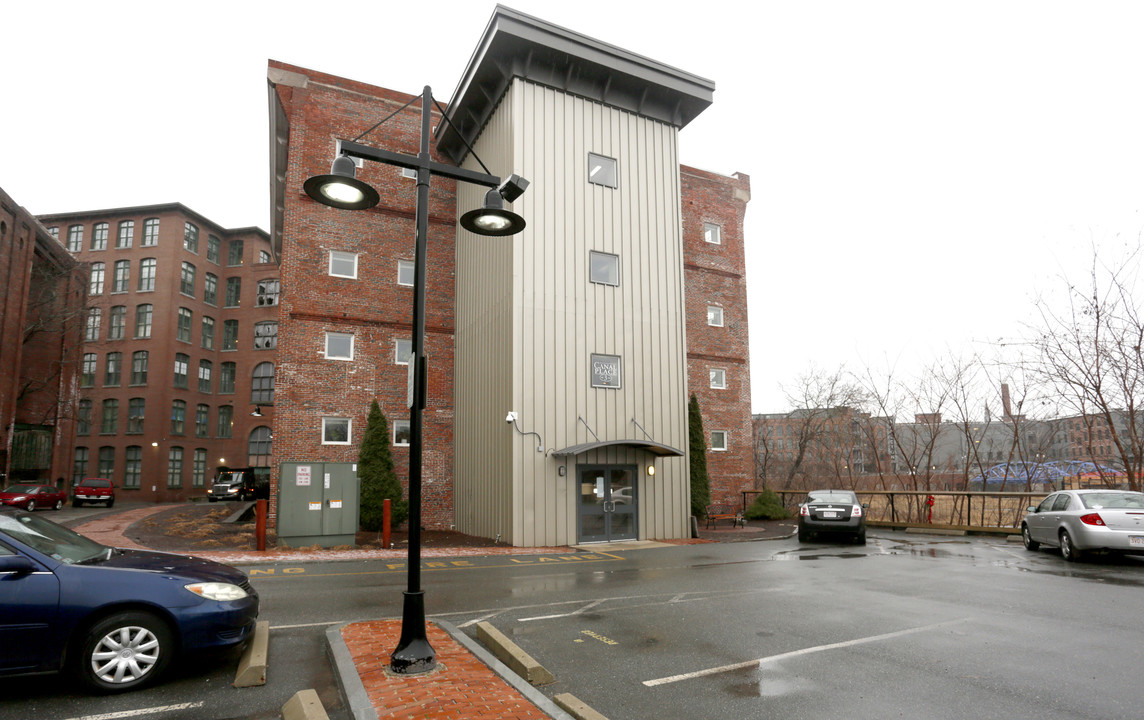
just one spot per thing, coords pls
(83, 418)
(133, 467)
(150, 232)
(202, 418)
(233, 291)
(210, 289)
(75, 238)
(401, 432)
(95, 287)
(87, 371)
(208, 333)
(199, 469)
(191, 238)
(147, 274)
(265, 335)
(258, 447)
(117, 323)
(205, 367)
(212, 248)
(139, 360)
(262, 384)
(181, 363)
(178, 416)
(267, 293)
(106, 466)
(99, 236)
(91, 330)
(234, 253)
(225, 421)
(226, 374)
(183, 328)
(229, 334)
(110, 420)
(175, 467)
(143, 321)
(113, 369)
(402, 350)
(122, 280)
(79, 466)
(136, 410)
(126, 234)
(187, 279)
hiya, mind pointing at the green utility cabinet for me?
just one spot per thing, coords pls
(318, 504)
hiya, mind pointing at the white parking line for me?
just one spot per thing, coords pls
(795, 653)
(140, 712)
(579, 611)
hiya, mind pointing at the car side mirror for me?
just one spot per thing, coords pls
(1031, 508)
(16, 564)
(865, 506)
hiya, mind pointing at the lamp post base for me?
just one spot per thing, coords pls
(413, 654)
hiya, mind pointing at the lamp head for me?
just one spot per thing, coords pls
(341, 188)
(492, 219)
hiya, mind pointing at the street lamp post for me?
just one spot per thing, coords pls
(341, 189)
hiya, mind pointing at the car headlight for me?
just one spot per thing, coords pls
(217, 591)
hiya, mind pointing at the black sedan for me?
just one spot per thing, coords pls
(833, 512)
(115, 617)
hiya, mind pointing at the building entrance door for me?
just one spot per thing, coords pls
(608, 503)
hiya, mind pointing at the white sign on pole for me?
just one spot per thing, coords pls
(410, 374)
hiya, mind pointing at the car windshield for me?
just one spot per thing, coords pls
(1113, 500)
(96, 482)
(830, 497)
(53, 540)
(20, 488)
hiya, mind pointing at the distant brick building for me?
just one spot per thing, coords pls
(41, 323)
(179, 344)
(630, 261)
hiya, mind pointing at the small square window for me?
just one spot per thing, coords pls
(712, 233)
(400, 432)
(339, 346)
(335, 431)
(602, 170)
(719, 440)
(403, 349)
(718, 378)
(715, 315)
(343, 264)
(405, 272)
(603, 268)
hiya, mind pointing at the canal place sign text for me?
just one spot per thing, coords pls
(605, 371)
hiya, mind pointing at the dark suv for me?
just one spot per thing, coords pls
(93, 490)
(239, 484)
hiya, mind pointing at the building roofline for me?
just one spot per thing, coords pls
(143, 209)
(518, 45)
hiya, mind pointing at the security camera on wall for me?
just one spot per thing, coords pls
(511, 417)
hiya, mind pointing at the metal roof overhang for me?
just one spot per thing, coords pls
(652, 447)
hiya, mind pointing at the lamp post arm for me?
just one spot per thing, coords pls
(413, 162)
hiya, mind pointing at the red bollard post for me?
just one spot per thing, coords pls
(385, 524)
(260, 525)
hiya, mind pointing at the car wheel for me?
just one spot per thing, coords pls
(1030, 543)
(803, 535)
(76, 503)
(860, 538)
(59, 505)
(124, 651)
(1068, 550)
(110, 503)
(211, 499)
(31, 506)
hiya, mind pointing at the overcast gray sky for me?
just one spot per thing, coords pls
(919, 169)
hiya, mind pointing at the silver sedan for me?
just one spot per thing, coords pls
(1079, 521)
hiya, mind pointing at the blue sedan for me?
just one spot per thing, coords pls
(115, 617)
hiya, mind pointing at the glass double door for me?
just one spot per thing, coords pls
(608, 503)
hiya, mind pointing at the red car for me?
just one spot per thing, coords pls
(93, 490)
(33, 497)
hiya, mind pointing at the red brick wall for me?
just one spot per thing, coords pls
(716, 275)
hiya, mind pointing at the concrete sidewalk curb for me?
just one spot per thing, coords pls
(357, 700)
(513, 655)
(518, 683)
(304, 705)
(255, 659)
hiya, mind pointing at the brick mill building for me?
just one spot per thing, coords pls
(625, 293)
(179, 348)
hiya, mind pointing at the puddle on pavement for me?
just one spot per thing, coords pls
(757, 683)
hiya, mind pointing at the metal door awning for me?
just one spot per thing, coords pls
(653, 447)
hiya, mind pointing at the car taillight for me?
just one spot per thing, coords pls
(803, 510)
(856, 512)
(1092, 519)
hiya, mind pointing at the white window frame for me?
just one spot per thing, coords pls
(718, 377)
(722, 434)
(713, 233)
(715, 321)
(343, 257)
(400, 424)
(397, 345)
(601, 161)
(331, 356)
(328, 422)
(592, 255)
(410, 267)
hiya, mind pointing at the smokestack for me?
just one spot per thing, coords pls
(1005, 408)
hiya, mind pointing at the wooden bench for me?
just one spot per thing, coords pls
(724, 512)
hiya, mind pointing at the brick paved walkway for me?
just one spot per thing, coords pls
(461, 688)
